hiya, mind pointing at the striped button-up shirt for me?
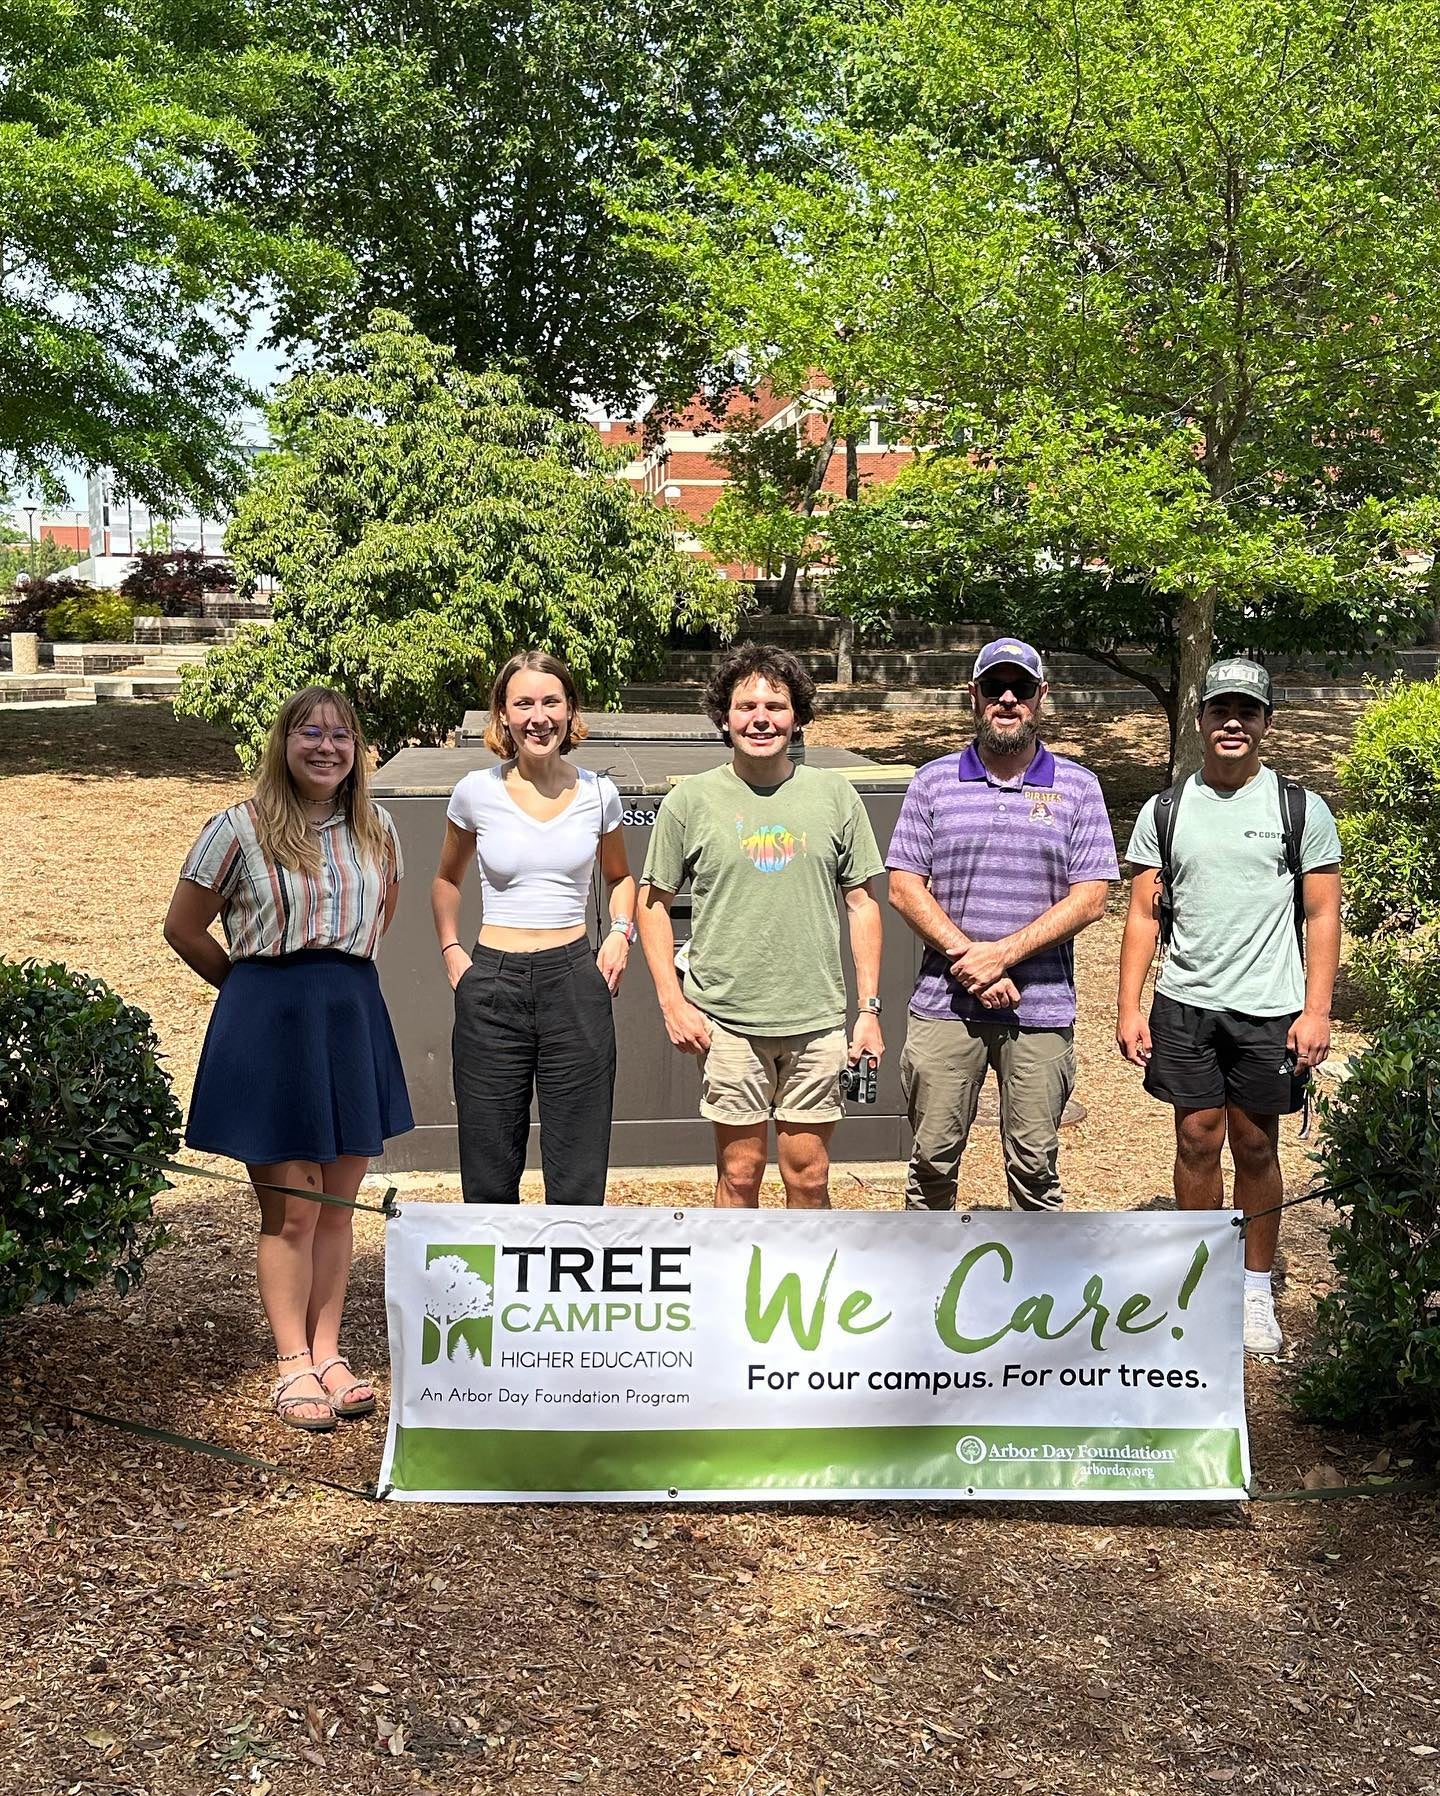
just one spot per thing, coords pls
(270, 910)
(998, 853)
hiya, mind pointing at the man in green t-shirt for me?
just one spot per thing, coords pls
(764, 845)
(1239, 1017)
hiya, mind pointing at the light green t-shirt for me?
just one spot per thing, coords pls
(763, 865)
(1234, 944)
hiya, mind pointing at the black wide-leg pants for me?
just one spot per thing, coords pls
(534, 1024)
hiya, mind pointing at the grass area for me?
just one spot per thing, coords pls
(181, 1625)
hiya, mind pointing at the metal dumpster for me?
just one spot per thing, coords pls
(618, 726)
(657, 1090)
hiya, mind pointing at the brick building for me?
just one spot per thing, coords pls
(675, 466)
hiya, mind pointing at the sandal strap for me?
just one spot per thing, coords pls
(356, 1384)
(283, 1384)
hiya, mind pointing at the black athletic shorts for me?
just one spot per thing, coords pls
(1205, 1059)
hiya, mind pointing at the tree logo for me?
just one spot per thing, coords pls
(970, 1448)
(459, 1304)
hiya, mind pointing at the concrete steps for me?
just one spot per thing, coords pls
(110, 687)
(25, 689)
(939, 660)
(1112, 699)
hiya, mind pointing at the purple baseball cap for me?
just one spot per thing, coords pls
(1009, 651)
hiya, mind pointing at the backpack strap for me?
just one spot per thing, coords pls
(1167, 811)
(1292, 826)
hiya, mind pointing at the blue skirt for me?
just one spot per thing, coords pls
(299, 1063)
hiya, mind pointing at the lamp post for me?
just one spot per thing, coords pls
(30, 511)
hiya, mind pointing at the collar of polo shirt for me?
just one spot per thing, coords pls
(1040, 772)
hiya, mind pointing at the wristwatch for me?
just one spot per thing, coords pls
(870, 1004)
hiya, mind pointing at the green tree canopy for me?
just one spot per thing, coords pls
(124, 283)
(1196, 229)
(467, 159)
(423, 524)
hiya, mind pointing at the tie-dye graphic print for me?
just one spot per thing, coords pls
(770, 847)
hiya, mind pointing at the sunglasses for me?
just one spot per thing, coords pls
(993, 686)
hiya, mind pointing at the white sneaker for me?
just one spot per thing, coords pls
(1262, 1331)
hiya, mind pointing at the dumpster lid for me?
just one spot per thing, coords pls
(619, 726)
(649, 767)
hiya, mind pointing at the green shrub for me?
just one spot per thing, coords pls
(78, 1067)
(91, 617)
(1378, 1338)
(1391, 839)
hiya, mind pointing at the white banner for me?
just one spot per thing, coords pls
(598, 1355)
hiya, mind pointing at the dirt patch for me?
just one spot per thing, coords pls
(183, 1625)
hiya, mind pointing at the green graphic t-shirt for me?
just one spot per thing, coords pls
(763, 865)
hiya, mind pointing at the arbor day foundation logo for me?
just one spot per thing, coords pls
(459, 1304)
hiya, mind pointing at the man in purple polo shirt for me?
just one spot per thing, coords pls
(1001, 856)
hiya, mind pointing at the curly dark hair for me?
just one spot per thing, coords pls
(752, 660)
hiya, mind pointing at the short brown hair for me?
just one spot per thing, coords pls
(497, 732)
(759, 660)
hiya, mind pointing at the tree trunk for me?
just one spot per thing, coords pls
(1195, 624)
(844, 652)
(1170, 704)
(1196, 631)
(852, 469)
(786, 597)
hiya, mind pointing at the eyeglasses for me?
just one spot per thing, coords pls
(994, 686)
(312, 736)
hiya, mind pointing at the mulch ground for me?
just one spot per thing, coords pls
(180, 1624)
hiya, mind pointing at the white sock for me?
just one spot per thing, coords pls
(1257, 1281)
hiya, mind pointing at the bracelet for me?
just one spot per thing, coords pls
(449, 945)
(623, 926)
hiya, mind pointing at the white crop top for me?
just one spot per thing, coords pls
(534, 875)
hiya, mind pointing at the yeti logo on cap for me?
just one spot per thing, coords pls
(1239, 676)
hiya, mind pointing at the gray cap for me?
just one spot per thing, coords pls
(1009, 651)
(1238, 675)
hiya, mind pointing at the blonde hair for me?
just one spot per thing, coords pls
(497, 732)
(281, 825)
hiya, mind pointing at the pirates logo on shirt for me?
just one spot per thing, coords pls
(1042, 804)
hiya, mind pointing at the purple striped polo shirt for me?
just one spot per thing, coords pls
(997, 853)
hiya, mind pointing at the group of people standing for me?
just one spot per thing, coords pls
(1002, 855)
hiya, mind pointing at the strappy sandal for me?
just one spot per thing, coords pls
(364, 1407)
(286, 1407)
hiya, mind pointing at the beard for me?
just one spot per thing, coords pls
(1019, 740)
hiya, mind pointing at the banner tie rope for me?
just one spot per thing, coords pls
(191, 1443)
(387, 1207)
(1323, 1192)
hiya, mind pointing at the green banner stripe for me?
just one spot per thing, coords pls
(993, 1460)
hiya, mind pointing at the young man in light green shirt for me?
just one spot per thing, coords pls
(1240, 1017)
(765, 845)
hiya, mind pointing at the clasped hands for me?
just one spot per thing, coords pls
(981, 968)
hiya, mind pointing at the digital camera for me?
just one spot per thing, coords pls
(859, 1082)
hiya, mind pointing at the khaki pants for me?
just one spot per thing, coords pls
(942, 1071)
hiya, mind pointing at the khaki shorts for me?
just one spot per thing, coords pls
(794, 1078)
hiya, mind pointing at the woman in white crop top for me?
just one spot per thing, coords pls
(532, 1002)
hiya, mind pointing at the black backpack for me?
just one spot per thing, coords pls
(1292, 822)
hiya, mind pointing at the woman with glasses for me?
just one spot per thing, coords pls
(533, 1000)
(299, 1076)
